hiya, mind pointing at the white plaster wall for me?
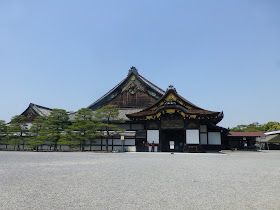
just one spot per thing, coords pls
(131, 148)
(87, 147)
(153, 135)
(129, 142)
(64, 147)
(214, 138)
(45, 147)
(117, 148)
(109, 141)
(97, 141)
(96, 147)
(203, 138)
(2, 146)
(192, 136)
(118, 142)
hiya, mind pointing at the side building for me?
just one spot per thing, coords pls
(272, 140)
(244, 140)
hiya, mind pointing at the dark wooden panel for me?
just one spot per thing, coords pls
(138, 99)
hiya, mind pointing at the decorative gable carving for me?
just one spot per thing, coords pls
(169, 121)
(132, 86)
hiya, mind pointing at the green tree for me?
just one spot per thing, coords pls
(271, 126)
(108, 116)
(238, 128)
(68, 140)
(35, 140)
(3, 133)
(255, 127)
(83, 128)
(54, 127)
(18, 131)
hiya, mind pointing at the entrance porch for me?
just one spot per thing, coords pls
(172, 140)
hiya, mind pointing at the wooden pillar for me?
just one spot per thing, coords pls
(112, 143)
(101, 142)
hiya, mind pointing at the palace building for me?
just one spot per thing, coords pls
(151, 114)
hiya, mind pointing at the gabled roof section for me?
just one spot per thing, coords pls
(133, 80)
(170, 103)
(172, 97)
(37, 110)
(34, 110)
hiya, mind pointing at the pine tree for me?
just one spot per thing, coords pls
(83, 129)
(35, 139)
(3, 133)
(108, 116)
(54, 127)
(18, 131)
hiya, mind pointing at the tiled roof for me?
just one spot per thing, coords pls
(124, 111)
(195, 110)
(151, 85)
(44, 111)
(133, 71)
(246, 134)
(107, 94)
(71, 115)
(272, 132)
(40, 110)
(275, 139)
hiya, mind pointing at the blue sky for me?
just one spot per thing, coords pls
(220, 55)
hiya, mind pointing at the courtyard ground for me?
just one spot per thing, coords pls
(57, 180)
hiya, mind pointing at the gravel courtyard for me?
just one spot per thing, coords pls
(234, 180)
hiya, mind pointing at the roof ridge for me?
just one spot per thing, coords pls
(108, 93)
(43, 107)
(151, 84)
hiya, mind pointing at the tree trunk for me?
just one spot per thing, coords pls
(22, 141)
(107, 144)
(112, 144)
(107, 136)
